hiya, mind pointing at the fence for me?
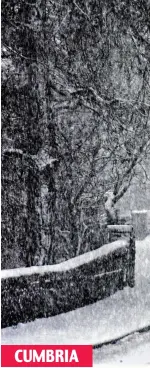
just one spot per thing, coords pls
(36, 292)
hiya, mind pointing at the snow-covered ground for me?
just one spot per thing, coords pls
(124, 312)
(134, 349)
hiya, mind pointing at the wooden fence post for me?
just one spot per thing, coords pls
(131, 273)
(119, 231)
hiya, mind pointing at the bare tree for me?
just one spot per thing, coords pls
(76, 76)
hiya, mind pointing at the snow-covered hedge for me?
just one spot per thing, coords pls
(35, 292)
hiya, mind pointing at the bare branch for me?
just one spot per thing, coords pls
(83, 12)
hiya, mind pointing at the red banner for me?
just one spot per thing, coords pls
(46, 356)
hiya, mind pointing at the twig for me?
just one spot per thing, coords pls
(82, 11)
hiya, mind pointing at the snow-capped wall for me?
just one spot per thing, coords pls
(36, 292)
(64, 266)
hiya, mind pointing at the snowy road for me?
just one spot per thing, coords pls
(134, 349)
(124, 312)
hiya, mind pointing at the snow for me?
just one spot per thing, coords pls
(39, 159)
(48, 161)
(66, 265)
(109, 204)
(120, 228)
(13, 150)
(122, 313)
(140, 211)
(134, 349)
